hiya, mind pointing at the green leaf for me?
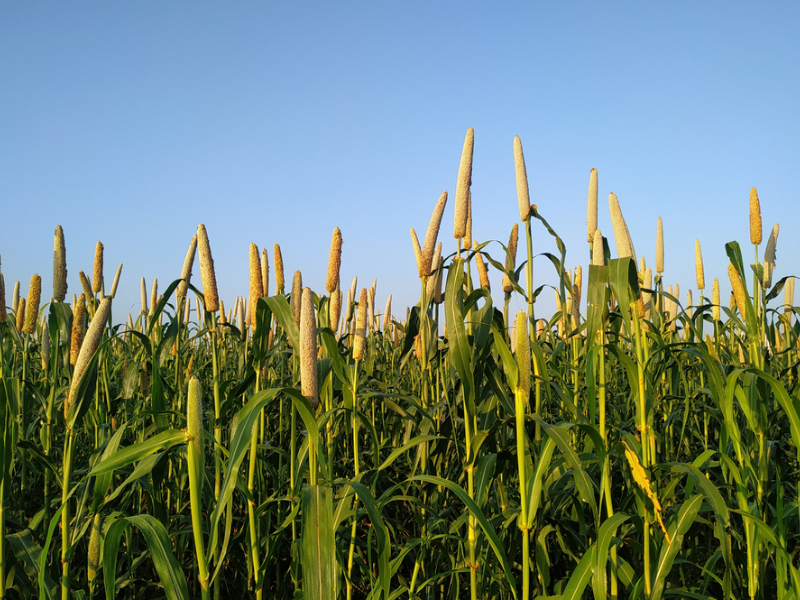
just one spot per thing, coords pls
(580, 577)
(154, 533)
(460, 353)
(384, 547)
(583, 482)
(491, 536)
(604, 537)
(318, 552)
(283, 313)
(136, 452)
(679, 525)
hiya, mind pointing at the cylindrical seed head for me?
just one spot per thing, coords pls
(483, 273)
(523, 353)
(15, 297)
(660, 247)
(186, 271)
(523, 195)
(715, 299)
(308, 349)
(788, 295)
(591, 208)
(621, 234)
(361, 326)
(116, 281)
(387, 313)
(418, 255)
(432, 280)
(466, 241)
(265, 272)
(59, 266)
(511, 259)
(90, 344)
(32, 306)
(256, 283)
(755, 217)
(689, 303)
(94, 549)
(97, 274)
(207, 273)
(462, 187)
(336, 309)
(351, 299)
(297, 296)
(698, 266)
(143, 291)
(153, 297)
(598, 256)
(86, 285)
(334, 261)
(738, 291)
(20, 314)
(78, 329)
(280, 280)
(433, 233)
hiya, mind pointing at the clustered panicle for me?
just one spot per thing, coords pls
(334, 261)
(523, 194)
(207, 273)
(59, 266)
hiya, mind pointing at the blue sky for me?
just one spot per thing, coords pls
(131, 123)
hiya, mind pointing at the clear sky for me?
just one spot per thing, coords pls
(132, 122)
